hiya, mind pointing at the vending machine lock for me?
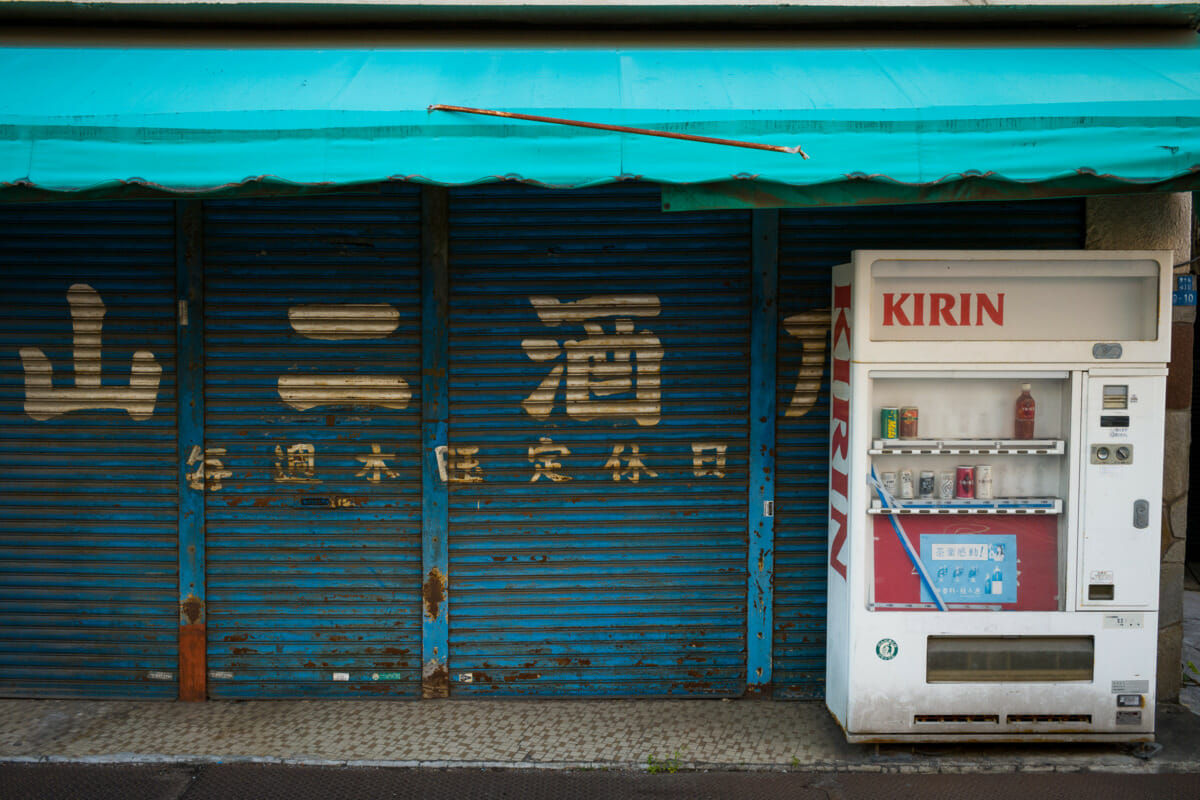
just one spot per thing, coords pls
(1141, 514)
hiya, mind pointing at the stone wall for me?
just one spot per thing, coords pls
(1160, 222)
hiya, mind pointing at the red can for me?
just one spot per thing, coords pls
(964, 482)
(908, 422)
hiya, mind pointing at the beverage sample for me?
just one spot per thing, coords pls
(1025, 412)
(946, 486)
(925, 485)
(983, 482)
(889, 423)
(906, 484)
(964, 483)
(908, 422)
(889, 483)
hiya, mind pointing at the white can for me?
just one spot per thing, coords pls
(945, 485)
(906, 484)
(983, 482)
(889, 483)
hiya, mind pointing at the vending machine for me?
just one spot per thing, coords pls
(995, 494)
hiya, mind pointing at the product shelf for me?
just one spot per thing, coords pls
(967, 447)
(999, 505)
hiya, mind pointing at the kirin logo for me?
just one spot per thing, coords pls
(915, 309)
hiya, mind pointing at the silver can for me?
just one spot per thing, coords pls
(926, 485)
(945, 485)
(983, 482)
(906, 484)
(889, 483)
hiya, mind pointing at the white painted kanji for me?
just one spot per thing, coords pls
(344, 322)
(812, 329)
(209, 469)
(44, 401)
(296, 464)
(604, 364)
(542, 457)
(631, 467)
(708, 459)
(375, 465)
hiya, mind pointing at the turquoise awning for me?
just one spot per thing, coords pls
(880, 125)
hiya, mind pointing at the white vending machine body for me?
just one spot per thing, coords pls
(990, 578)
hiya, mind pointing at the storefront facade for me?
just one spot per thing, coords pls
(526, 414)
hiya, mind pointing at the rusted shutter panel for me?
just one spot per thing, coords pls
(810, 242)
(598, 444)
(88, 487)
(312, 416)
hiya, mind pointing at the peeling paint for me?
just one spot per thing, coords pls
(433, 593)
(192, 609)
(435, 680)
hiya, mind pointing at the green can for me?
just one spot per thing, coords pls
(889, 423)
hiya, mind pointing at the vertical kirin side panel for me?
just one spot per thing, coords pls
(839, 595)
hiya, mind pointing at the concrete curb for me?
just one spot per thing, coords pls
(1117, 764)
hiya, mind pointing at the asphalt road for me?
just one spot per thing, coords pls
(266, 782)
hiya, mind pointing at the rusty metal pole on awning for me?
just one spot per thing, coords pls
(600, 126)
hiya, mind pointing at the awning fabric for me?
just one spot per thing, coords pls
(880, 125)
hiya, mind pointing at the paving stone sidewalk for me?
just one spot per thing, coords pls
(620, 734)
(567, 734)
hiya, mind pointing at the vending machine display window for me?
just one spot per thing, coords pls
(963, 514)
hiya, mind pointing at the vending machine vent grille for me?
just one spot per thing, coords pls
(1043, 719)
(956, 719)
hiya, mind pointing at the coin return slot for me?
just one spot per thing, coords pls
(1101, 591)
(1030, 659)
(1112, 454)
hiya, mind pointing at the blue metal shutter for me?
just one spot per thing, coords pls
(88, 495)
(595, 585)
(810, 242)
(314, 533)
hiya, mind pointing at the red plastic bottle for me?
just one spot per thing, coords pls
(1026, 410)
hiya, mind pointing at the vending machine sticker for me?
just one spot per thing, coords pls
(887, 649)
(971, 568)
(1029, 568)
